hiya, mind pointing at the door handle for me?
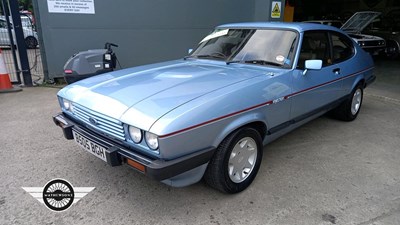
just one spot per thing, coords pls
(336, 71)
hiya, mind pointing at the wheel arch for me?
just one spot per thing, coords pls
(34, 38)
(359, 81)
(255, 121)
(217, 174)
(30, 36)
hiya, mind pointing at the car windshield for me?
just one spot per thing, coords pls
(263, 47)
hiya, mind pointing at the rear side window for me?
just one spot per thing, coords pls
(342, 47)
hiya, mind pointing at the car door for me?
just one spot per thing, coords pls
(313, 90)
(342, 58)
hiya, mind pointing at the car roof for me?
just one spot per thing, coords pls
(299, 26)
(322, 21)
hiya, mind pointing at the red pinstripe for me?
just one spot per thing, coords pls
(260, 105)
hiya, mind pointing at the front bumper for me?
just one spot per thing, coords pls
(117, 154)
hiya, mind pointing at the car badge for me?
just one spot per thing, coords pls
(93, 121)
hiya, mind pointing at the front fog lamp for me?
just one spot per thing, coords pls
(67, 104)
(135, 133)
(152, 140)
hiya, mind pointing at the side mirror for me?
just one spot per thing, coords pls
(313, 64)
(190, 50)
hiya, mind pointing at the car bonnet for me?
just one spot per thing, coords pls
(140, 98)
(359, 21)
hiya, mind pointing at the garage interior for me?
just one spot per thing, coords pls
(325, 172)
(169, 35)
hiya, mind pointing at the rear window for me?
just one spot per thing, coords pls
(342, 47)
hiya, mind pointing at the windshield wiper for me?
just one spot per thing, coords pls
(263, 62)
(212, 55)
(234, 61)
(255, 61)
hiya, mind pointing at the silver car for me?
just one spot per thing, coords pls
(30, 36)
(210, 114)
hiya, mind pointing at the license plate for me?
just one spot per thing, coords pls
(90, 146)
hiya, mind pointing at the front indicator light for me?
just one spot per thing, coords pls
(136, 165)
(152, 141)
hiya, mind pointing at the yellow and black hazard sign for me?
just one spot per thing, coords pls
(276, 9)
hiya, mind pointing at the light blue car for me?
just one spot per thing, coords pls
(209, 114)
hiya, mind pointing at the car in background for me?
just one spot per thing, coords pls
(356, 24)
(27, 21)
(388, 27)
(30, 35)
(209, 114)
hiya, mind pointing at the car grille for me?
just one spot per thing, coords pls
(106, 125)
(373, 43)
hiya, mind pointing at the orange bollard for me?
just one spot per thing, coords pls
(5, 83)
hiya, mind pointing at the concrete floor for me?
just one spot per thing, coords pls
(326, 172)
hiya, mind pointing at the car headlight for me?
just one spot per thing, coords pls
(152, 140)
(67, 105)
(136, 134)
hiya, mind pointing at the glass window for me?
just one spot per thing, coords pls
(262, 47)
(342, 47)
(269, 47)
(221, 43)
(315, 45)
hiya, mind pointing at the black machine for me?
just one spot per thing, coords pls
(90, 63)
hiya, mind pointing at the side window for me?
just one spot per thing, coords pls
(314, 46)
(342, 47)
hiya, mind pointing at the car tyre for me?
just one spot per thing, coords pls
(31, 42)
(349, 109)
(236, 161)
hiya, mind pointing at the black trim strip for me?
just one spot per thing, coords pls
(307, 115)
